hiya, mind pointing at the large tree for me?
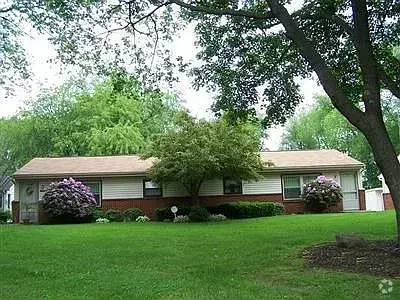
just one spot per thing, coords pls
(323, 127)
(115, 116)
(199, 150)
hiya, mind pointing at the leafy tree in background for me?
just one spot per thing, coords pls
(323, 127)
(117, 116)
(199, 150)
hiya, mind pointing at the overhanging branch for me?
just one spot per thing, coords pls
(224, 12)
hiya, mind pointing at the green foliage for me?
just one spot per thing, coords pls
(97, 214)
(181, 219)
(4, 216)
(279, 209)
(131, 214)
(321, 194)
(201, 150)
(198, 214)
(242, 210)
(114, 215)
(323, 127)
(217, 218)
(116, 116)
(166, 214)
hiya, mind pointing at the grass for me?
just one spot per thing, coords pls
(242, 259)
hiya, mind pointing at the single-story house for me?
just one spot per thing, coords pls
(121, 182)
(387, 197)
(6, 193)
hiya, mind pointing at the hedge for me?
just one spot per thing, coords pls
(243, 210)
(232, 210)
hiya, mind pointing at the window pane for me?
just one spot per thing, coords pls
(309, 178)
(94, 186)
(291, 187)
(232, 186)
(152, 192)
(151, 185)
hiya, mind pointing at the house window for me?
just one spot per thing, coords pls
(292, 185)
(8, 201)
(95, 187)
(151, 188)
(232, 186)
(1, 200)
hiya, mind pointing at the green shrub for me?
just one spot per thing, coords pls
(97, 214)
(181, 219)
(114, 215)
(4, 216)
(165, 213)
(131, 214)
(242, 210)
(279, 209)
(321, 194)
(198, 214)
(217, 218)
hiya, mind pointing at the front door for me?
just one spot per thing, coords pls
(29, 202)
(350, 191)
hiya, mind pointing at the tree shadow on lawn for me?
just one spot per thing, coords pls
(379, 258)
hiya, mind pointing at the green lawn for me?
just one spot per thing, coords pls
(242, 259)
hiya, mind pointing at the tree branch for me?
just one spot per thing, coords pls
(386, 80)
(309, 52)
(6, 9)
(224, 12)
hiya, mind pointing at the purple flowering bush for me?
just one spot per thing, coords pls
(321, 193)
(69, 201)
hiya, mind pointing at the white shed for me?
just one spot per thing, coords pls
(374, 200)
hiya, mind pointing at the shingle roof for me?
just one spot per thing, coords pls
(133, 165)
(306, 159)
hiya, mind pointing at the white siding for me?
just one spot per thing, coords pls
(270, 184)
(43, 186)
(212, 188)
(174, 189)
(122, 188)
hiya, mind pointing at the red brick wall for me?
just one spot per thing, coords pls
(387, 201)
(361, 199)
(15, 211)
(148, 206)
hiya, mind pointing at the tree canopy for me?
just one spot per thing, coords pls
(199, 150)
(323, 127)
(116, 116)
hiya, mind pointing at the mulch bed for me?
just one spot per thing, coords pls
(380, 258)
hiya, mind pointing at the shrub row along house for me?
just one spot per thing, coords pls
(121, 182)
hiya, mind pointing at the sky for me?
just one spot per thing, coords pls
(47, 75)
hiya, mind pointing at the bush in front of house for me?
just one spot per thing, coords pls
(181, 219)
(198, 214)
(4, 216)
(321, 194)
(243, 210)
(69, 201)
(131, 214)
(166, 214)
(279, 209)
(97, 214)
(217, 218)
(114, 215)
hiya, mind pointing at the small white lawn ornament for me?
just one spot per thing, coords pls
(174, 210)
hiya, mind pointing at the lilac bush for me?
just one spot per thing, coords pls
(69, 200)
(321, 193)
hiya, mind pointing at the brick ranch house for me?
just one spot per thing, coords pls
(121, 182)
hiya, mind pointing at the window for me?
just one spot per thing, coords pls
(292, 185)
(1, 200)
(95, 187)
(151, 188)
(232, 186)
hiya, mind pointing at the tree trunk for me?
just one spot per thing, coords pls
(386, 160)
